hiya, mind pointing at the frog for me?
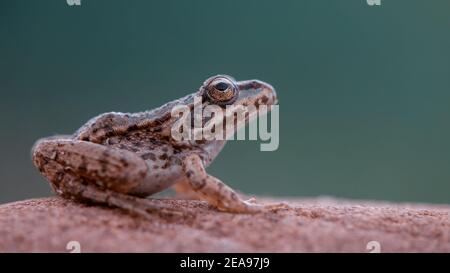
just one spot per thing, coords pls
(119, 159)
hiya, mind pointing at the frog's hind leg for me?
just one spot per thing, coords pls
(91, 172)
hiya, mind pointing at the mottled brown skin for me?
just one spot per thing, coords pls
(118, 158)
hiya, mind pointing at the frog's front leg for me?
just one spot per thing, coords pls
(92, 172)
(216, 192)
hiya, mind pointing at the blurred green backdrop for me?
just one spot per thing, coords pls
(364, 91)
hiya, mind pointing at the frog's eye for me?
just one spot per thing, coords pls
(221, 90)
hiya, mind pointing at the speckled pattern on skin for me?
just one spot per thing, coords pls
(316, 225)
(116, 158)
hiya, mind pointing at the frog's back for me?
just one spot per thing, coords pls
(162, 155)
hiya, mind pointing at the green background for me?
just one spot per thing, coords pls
(364, 91)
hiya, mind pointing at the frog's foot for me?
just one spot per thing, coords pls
(257, 207)
(277, 206)
(134, 205)
(251, 207)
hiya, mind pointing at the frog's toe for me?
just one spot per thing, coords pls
(254, 207)
(277, 206)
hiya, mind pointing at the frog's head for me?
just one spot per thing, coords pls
(244, 97)
(216, 111)
(242, 102)
(223, 90)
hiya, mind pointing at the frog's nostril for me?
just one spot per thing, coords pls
(221, 86)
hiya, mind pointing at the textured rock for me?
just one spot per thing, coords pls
(318, 225)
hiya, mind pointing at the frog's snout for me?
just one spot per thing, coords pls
(257, 92)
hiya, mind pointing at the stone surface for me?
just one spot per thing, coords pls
(315, 225)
